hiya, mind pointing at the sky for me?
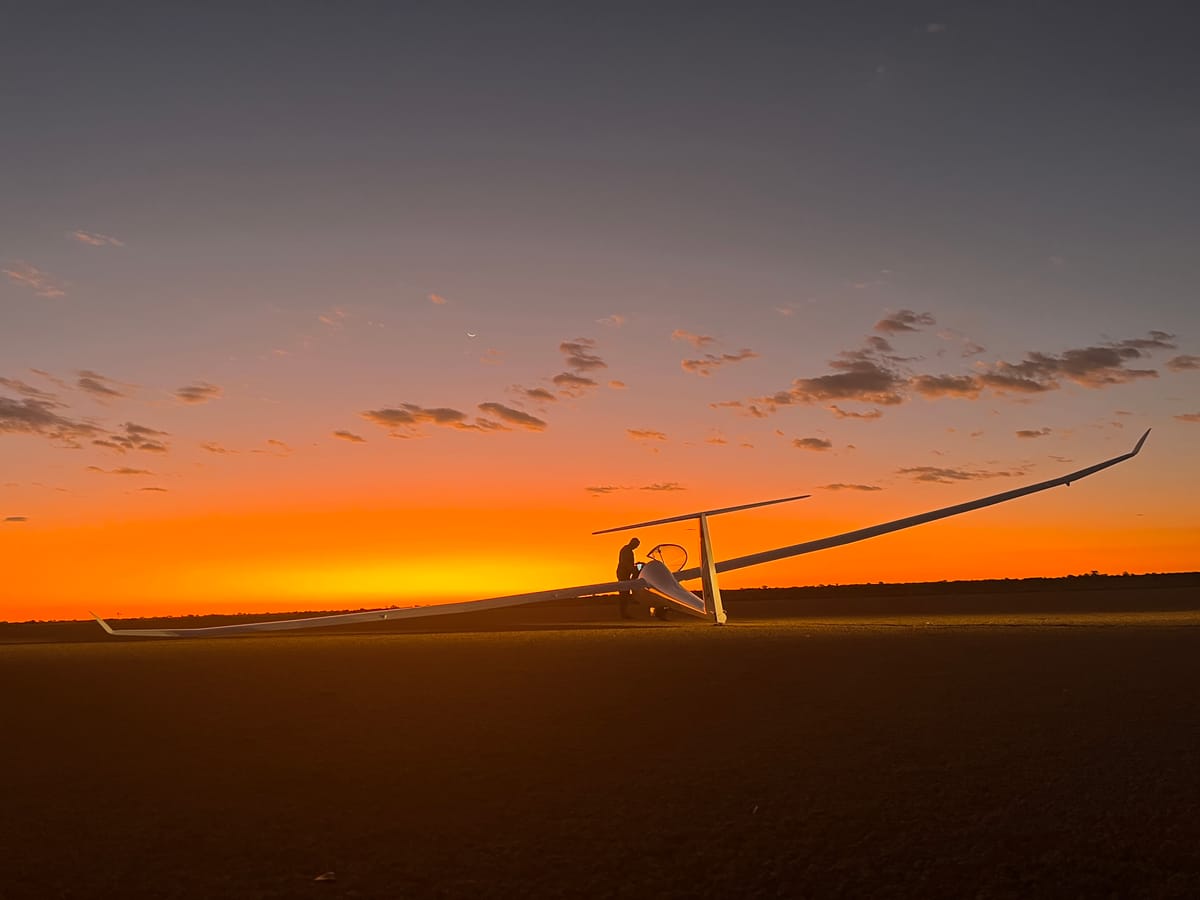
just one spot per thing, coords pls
(313, 305)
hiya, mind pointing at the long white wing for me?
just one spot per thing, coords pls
(377, 615)
(849, 537)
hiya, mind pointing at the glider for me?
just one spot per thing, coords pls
(655, 575)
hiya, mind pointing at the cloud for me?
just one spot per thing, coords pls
(616, 320)
(28, 390)
(716, 439)
(99, 386)
(350, 436)
(579, 355)
(812, 443)
(663, 486)
(41, 283)
(847, 414)
(657, 486)
(902, 321)
(938, 475)
(538, 394)
(604, 489)
(571, 385)
(617, 385)
(512, 416)
(274, 448)
(1189, 417)
(1092, 367)
(333, 318)
(1033, 432)
(134, 437)
(1183, 363)
(123, 470)
(644, 434)
(213, 447)
(934, 386)
(35, 416)
(160, 490)
(95, 239)
(840, 486)
(437, 300)
(200, 392)
(699, 341)
(16, 518)
(710, 361)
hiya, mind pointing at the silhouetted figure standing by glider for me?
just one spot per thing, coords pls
(626, 570)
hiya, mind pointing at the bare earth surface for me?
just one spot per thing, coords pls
(982, 755)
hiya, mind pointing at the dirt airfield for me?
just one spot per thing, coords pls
(904, 753)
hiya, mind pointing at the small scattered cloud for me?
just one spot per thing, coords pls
(710, 361)
(123, 470)
(1034, 432)
(939, 475)
(154, 490)
(437, 300)
(1184, 363)
(95, 239)
(617, 385)
(200, 392)
(42, 283)
(849, 414)
(333, 318)
(99, 386)
(935, 386)
(644, 434)
(571, 385)
(537, 394)
(350, 436)
(812, 443)
(214, 447)
(132, 436)
(663, 486)
(274, 447)
(16, 518)
(38, 417)
(580, 355)
(616, 320)
(604, 489)
(699, 341)
(841, 486)
(660, 486)
(904, 320)
(514, 417)
(1189, 417)
(28, 390)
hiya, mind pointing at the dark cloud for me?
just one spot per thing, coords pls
(657, 486)
(579, 355)
(16, 518)
(540, 394)
(99, 386)
(214, 447)
(711, 361)
(123, 470)
(1183, 363)
(200, 392)
(134, 437)
(699, 341)
(663, 486)
(571, 385)
(812, 443)
(604, 489)
(514, 417)
(902, 321)
(1188, 417)
(155, 490)
(34, 416)
(839, 486)
(28, 390)
(409, 416)
(938, 475)
(350, 436)
(1093, 367)
(1034, 432)
(932, 386)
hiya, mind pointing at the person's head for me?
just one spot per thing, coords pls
(635, 543)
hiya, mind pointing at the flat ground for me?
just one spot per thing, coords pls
(946, 756)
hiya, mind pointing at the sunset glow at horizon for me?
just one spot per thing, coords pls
(305, 310)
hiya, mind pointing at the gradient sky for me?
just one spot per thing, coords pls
(322, 305)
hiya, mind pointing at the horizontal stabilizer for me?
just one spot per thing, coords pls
(703, 512)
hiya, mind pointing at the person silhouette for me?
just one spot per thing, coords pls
(627, 569)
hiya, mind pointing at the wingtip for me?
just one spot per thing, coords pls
(1141, 440)
(103, 624)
